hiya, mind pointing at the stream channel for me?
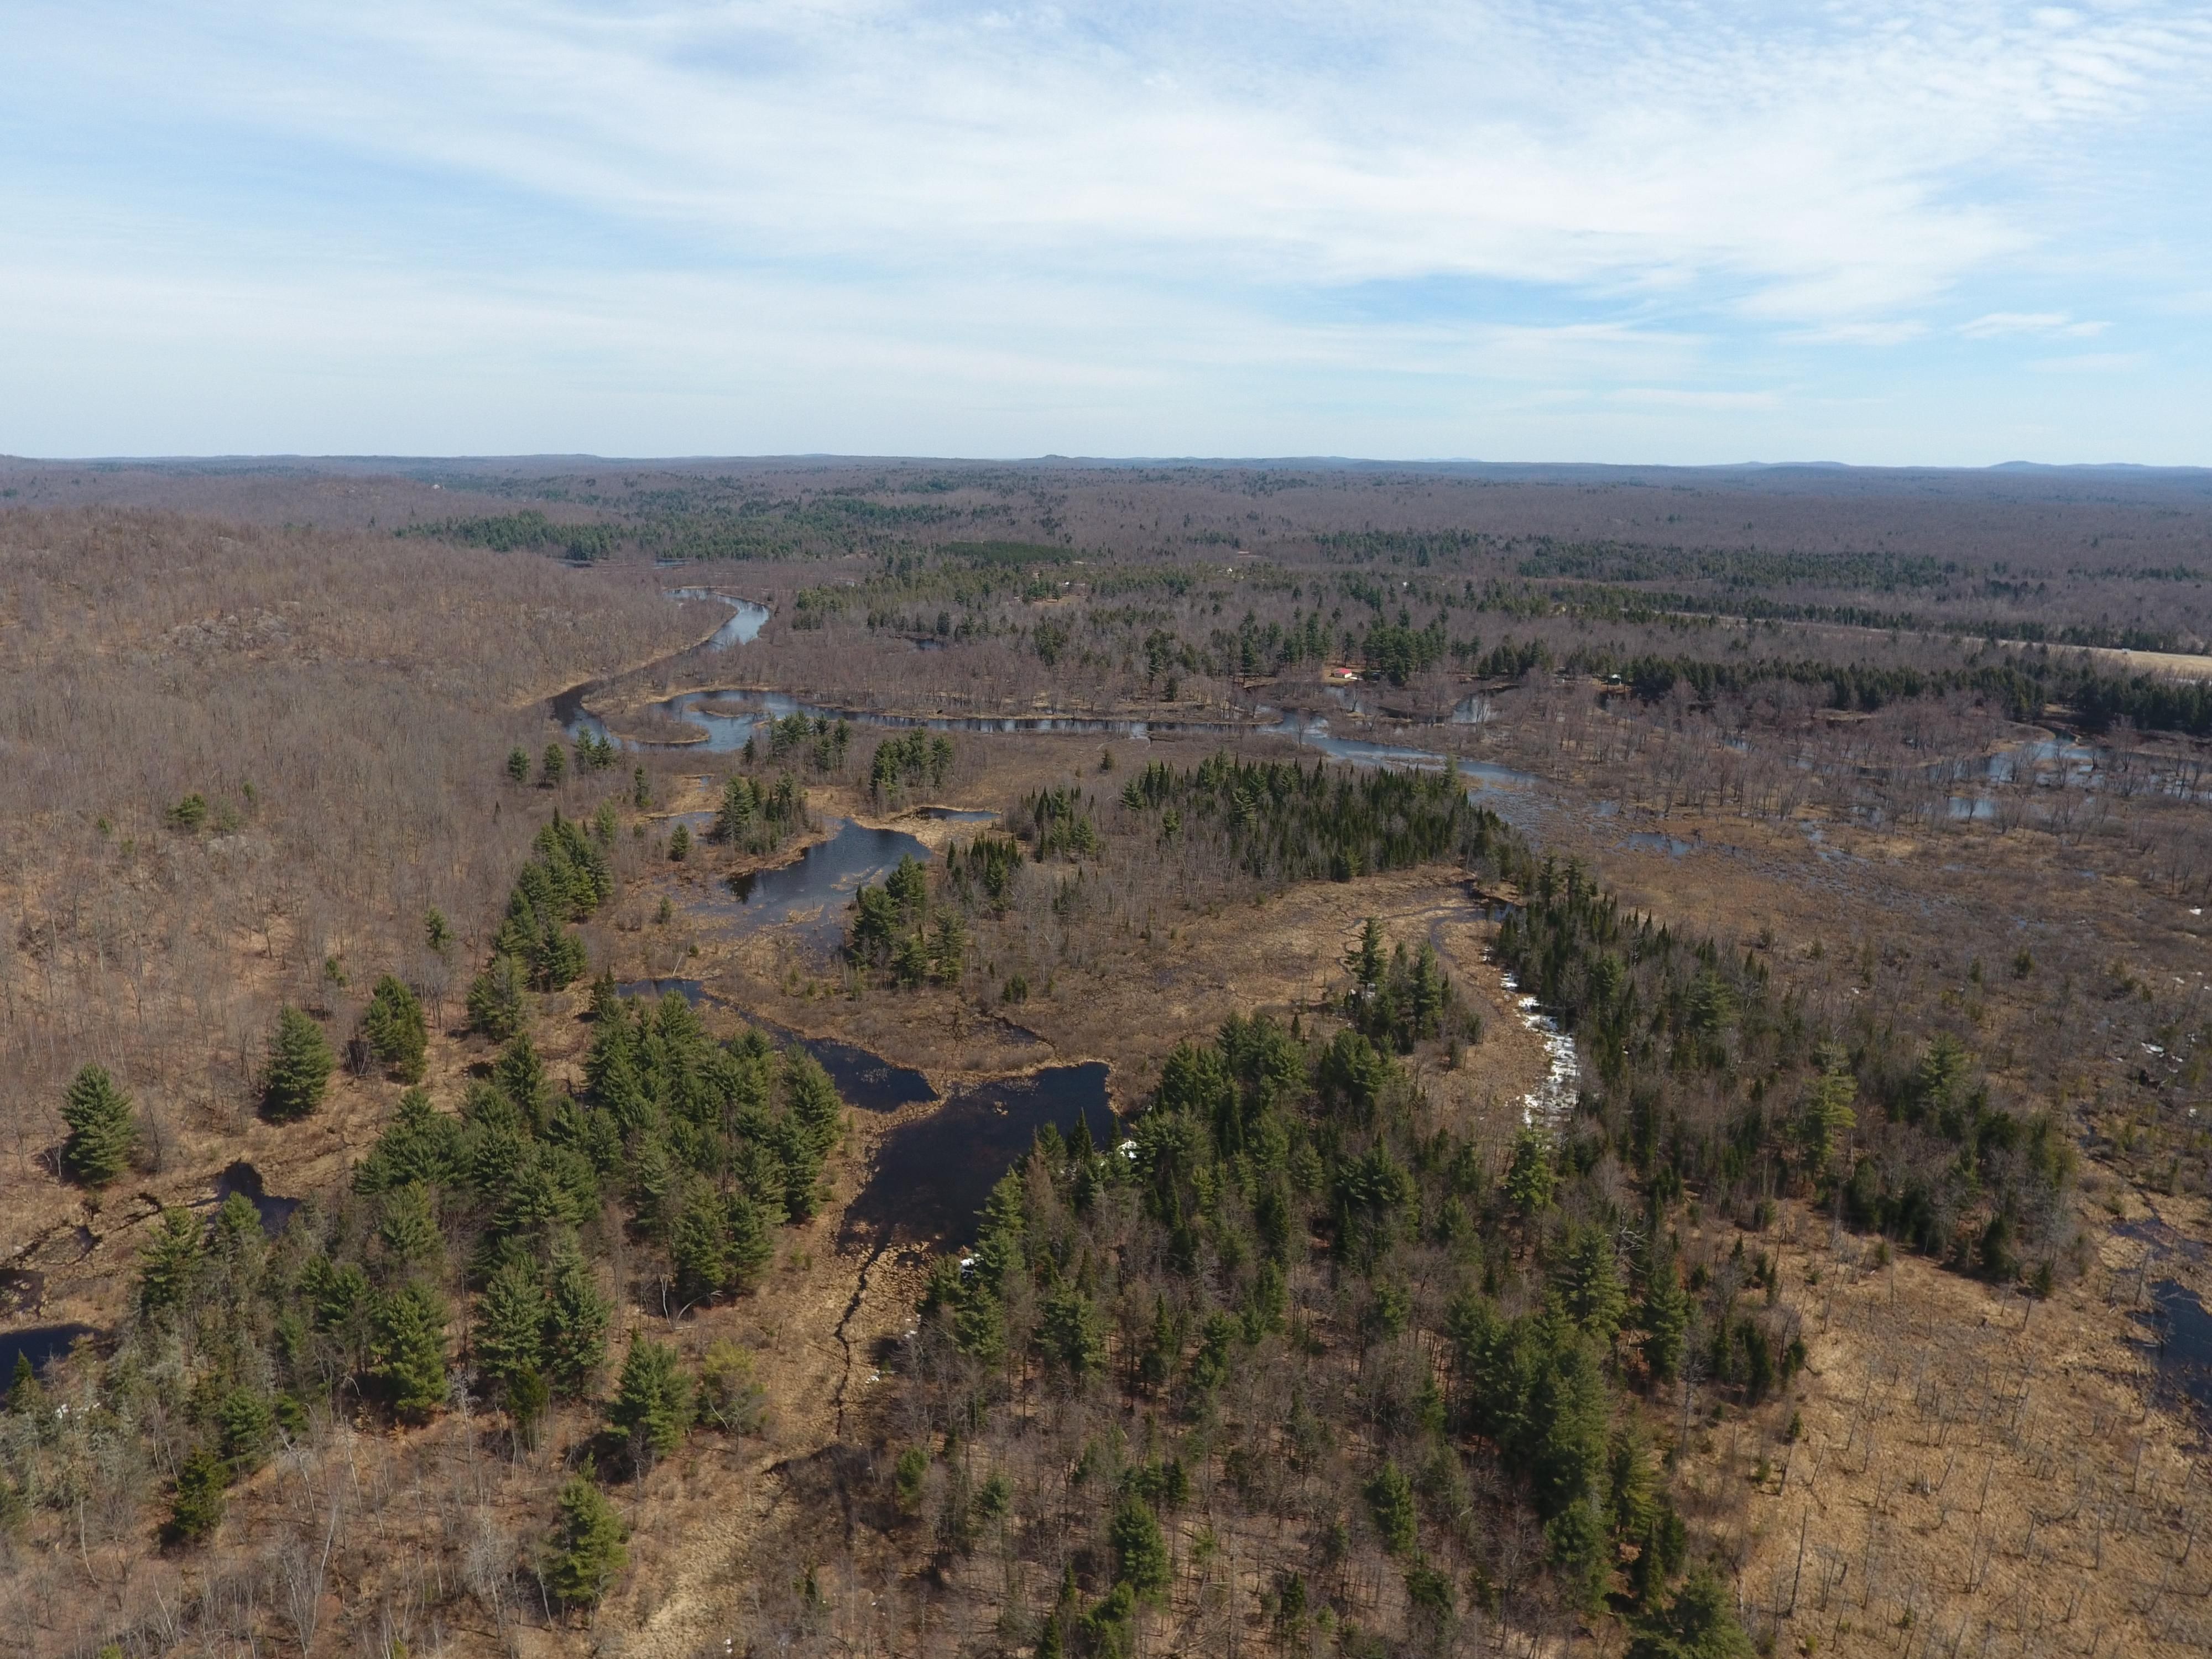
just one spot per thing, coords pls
(932, 1173)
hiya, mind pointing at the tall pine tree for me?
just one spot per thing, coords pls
(299, 1072)
(396, 1031)
(586, 1553)
(576, 1322)
(102, 1130)
(652, 1403)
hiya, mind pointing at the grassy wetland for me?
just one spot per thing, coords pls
(1271, 1059)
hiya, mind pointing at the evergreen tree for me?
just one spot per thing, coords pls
(520, 1074)
(244, 1422)
(420, 1144)
(1140, 1551)
(1531, 1177)
(699, 1245)
(196, 1509)
(1665, 1317)
(518, 765)
(679, 844)
(1827, 1120)
(171, 1263)
(1390, 1500)
(102, 1129)
(408, 1351)
(1588, 1286)
(576, 1319)
(299, 1064)
(437, 931)
(509, 1332)
(1700, 1625)
(653, 1403)
(496, 998)
(553, 766)
(25, 1396)
(1365, 959)
(395, 1030)
(751, 1240)
(408, 1229)
(587, 1553)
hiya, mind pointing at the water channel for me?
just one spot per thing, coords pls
(931, 1174)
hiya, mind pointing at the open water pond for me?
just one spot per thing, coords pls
(245, 1180)
(809, 894)
(42, 1345)
(862, 1079)
(2184, 1331)
(1651, 841)
(932, 1176)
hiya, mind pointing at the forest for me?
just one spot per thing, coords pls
(1291, 1059)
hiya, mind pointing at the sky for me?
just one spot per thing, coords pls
(1955, 233)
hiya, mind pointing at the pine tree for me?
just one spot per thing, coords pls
(102, 1129)
(699, 1245)
(518, 765)
(1588, 1286)
(408, 1232)
(1140, 1551)
(1365, 959)
(1665, 1316)
(679, 844)
(751, 1240)
(196, 1509)
(586, 1553)
(1531, 1177)
(576, 1319)
(520, 1074)
(1390, 1500)
(244, 1422)
(496, 998)
(653, 1403)
(394, 1028)
(1700, 1625)
(408, 1353)
(510, 1333)
(437, 931)
(299, 1064)
(171, 1263)
(25, 1396)
(553, 766)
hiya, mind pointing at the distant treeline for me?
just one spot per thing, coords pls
(2022, 686)
(749, 530)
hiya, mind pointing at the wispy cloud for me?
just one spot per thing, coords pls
(2048, 323)
(1037, 198)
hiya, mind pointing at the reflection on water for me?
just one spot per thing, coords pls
(1651, 841)
(862, 1079)
(811, 891)
(744, 627)
(42, 1345)
(932, 1176)
(243, 1179)
(730, 720)
(2184, 1331)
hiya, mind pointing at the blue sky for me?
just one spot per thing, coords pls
(1954, 232)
